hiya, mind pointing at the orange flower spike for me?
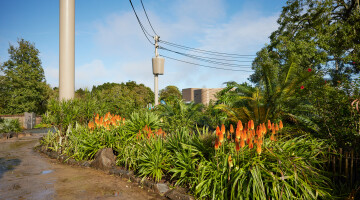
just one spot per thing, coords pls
(258, 148)
(251, 145)
(281, 126)
(240, 125)
(237, 146)
(236, 140)
(217, 131)
(277, 127)
(237, 134)
(272, 137)
(264, 127)
(242, 143)
(221, 138)
(273, 131)
(230, 161)
(260, 136)
(252, 124)
(216, 144)
(269, 125)
(245, 135)
(228, 135)
(231, 129)
(223, 129)
(149, 133)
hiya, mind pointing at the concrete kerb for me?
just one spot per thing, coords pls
(160, 188)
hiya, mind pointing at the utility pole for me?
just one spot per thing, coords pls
(158, 69)
(67, 50)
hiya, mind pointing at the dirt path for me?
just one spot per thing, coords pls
(25, 174)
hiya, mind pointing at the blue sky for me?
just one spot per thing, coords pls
(110, 46)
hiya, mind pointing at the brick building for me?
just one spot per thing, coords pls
(200, 95)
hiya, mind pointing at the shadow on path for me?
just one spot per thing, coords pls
(8, 165)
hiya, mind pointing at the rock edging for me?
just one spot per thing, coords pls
(6, 136)
(160, 188)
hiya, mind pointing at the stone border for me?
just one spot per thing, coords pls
(6, 136)
(160, 188)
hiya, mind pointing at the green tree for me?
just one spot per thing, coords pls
(23, 82)
(315, 39)
(170, 93)
(123, 98)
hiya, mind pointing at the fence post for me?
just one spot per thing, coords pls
(340, 159)
(334, 165)
(346, 166)
(351, 167)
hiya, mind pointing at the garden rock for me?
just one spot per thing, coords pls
(178, 194)
(162, 188)
(104, 159)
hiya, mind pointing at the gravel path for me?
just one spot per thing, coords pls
(25, 174)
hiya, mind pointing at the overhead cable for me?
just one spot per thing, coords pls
(220, 68)
(207, 60)
(147, 17)
(213, 53)
(141, 25)
(215, 58)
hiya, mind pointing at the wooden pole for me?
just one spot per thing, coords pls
(351, 167)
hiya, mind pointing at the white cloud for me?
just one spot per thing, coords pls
(201, 23)
(93, 73)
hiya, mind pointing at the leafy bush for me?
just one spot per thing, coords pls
(177, 114)
(9, 125)
(153, 160)
(138, 120)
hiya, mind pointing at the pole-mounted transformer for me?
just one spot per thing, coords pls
(158, 69)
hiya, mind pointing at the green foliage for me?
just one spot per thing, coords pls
(9, 125)
(23, 87)
(211, 116)
(153, 159)
(286, 169)
(341, 127)
(138, 120)
(66, 113)
(177, 114)
(170, 93)
(123, 98)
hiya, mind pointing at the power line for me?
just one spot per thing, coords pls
(238, 70)
(141, 26)
(213, 53)
(207, 60)
(147, 17)
(212, 58)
